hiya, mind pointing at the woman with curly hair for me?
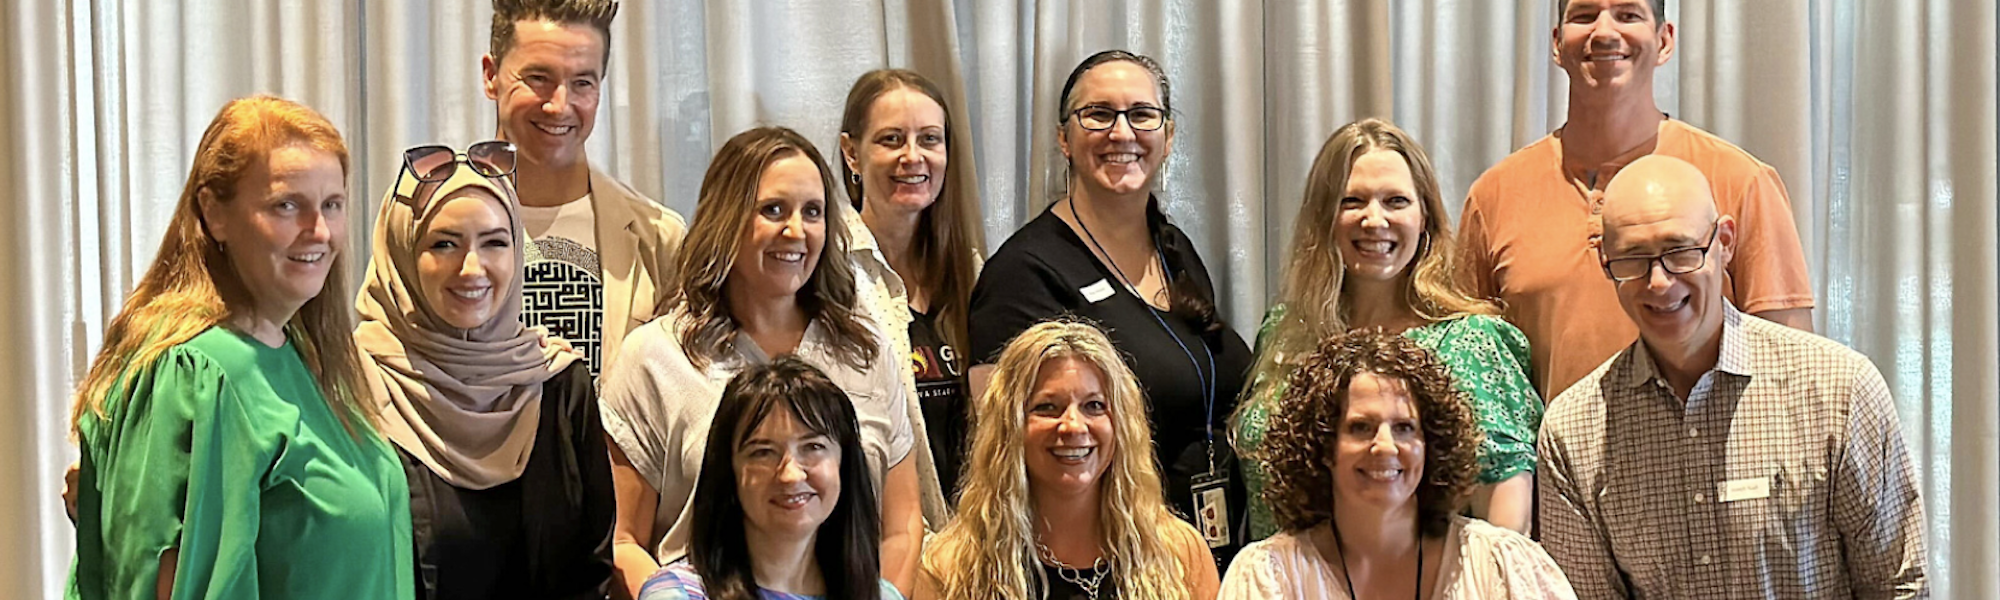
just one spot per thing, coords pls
(1062, 496)
(1370, 455)
(1373, 248)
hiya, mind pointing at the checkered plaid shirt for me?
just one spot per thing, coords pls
(1783, 475)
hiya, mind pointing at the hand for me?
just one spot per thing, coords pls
(70, 478)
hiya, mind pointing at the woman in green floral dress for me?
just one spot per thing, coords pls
(1373, 249)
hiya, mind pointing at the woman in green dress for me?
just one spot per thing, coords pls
(1373, 249)
(225, 453)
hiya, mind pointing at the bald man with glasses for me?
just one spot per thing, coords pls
(1721, 455)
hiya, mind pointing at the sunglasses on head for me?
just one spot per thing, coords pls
(436, 163)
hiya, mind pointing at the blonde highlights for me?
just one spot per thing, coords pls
(1313, 293)
(191, 285)
(988, 551)
(722, 221)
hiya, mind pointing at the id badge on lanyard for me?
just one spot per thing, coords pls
(1211, 502)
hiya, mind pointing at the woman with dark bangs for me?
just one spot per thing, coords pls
(784, 510)
(760, 277)
(1371, 455)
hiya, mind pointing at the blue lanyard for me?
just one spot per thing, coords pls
(1207, 379)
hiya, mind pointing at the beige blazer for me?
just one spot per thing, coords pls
(637, 240)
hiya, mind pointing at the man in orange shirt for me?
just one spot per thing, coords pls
(1529, 232)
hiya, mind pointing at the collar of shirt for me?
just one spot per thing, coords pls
(1733, 359)
(865, 251)
(812, 346)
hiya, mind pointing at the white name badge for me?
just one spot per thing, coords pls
(1097, 292)
(1744, 489)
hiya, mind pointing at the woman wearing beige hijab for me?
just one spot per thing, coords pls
(496, 423)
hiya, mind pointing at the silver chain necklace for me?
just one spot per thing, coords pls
(1075, 576)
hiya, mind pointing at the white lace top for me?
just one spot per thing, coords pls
(1482, 562)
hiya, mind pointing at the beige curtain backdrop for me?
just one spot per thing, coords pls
(1879, 115)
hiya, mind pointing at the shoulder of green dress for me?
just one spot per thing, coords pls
(1272, 317)
(1499, 328)
(229, 350)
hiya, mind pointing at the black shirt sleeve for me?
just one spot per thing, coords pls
(1015, 291)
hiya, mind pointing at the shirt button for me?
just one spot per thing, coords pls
(1704, 560)
(1692, 432)
(1698, 498)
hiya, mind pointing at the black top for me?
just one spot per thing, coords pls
(1046, 270)
(941, 393)
(1063, 588)
(544, 535)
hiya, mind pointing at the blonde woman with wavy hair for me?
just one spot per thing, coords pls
(1062, 497)
(1373, 248)
(225, 453)
(762, 275)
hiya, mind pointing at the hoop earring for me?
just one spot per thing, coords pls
(854, 178)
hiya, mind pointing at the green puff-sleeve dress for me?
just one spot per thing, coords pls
(226, 450)
(1488, 360)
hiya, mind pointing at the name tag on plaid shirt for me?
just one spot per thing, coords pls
(1743, 489)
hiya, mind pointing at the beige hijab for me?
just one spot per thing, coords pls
(465, 402)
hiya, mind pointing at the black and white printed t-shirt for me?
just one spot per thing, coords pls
(563, 289)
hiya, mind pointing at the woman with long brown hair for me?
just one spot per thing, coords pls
(226, 450)
(1373, 248)
(760, 277)
(916, 249)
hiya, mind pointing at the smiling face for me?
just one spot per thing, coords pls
(1378, 458)
(546, 89)
(1069, 427)
(1120, 160)
(782, 246)
(465, 258)
(282, 227)
(787, 477)
(1611, 44)
(1381, 220)
(900, 155)
(1653, 206)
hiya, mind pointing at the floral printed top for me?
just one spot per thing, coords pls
(1488, 360)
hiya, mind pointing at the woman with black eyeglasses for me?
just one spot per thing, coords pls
(1105, 251)
(496, 423)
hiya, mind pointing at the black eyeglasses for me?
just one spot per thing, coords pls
(1100, 118)
(1679, 261)
(436, 163)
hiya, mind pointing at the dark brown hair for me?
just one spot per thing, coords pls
(947, 239)
(595, 13)
(1192, 300)
(847, 546)
(1306, 423)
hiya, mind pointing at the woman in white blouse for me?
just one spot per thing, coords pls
(759, 277)
(916, 251)
(1371, 453)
